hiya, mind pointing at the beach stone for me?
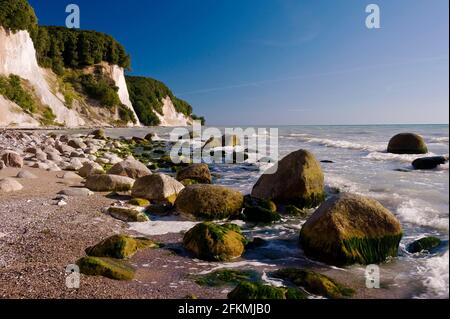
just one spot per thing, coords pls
(131, 168)
(77, 143)
(8, 185)
(407, 143)
(225, 140)
(119, 246)
(127, 214)
(54, 156)
(210, 202)
(105, 183)
(212, 242)
(423, 244)
(98, 134)
(43, 166)
(247, 290)
(64, 148)
(314, 283)
(196, 172)
(76, 192)
(41, 156)
(106, 267)
(260, 210)
(90, 168)
(74, 165)
(429, 162)
(140, 202)
(11, 159)
(349, 229)
(71, 175)
(149, 137)
(299, 180)
(2, 165)
(157, 187)
(26, 175)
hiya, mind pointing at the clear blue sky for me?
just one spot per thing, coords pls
(284, 62)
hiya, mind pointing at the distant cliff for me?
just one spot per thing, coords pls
(54, 76)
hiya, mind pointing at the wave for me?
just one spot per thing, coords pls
(405, 158)
(418, 212)
(438, 140)
(435, 277)
(339, 143)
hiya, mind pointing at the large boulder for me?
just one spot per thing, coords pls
(196, 172)
(11, 159)
(119, 246)
(210, 201)
(429, 162)
(90, 168)
(407, 143)
(349, 229)
(106, 267)
(298, 180)
(8, 185)
(131, 168)
(157, 187)
(105, 183)
(212, 242)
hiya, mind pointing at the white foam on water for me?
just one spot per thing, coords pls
(420, 213)
(405, 158)
(343, 144)
(161, 227)
(438, 140)
(271, 281)
(435, 277)
(238, 264)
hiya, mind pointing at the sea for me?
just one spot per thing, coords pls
(357, 162)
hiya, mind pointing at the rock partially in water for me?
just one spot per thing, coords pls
(407, 143)
(212, 242)
(254, 290)
(197, 172)
(429, 162)
(423, 244)
(349, 229)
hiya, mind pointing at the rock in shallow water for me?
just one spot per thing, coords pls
(254, 290)
(429, 162)
(407, 143)
(349, 229)
(423, 244)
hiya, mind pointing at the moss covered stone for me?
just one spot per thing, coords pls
(293, 210)
(252, 290)
(196, 172)
(407, 143)
(119, 247)
(426, 243)
(350, 229)
(259, 214)
(225, 277)
(314, 283)
(157, 187)
(141, 202)
(106, 267)
(212, 242)
(210, 202)
(298, 180)
(127, 214)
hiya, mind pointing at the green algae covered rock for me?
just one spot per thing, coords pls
(260, 210)
(119, 247)
(127, 214)
(298, 180)
(106, 267)
(349, 229)
(253, 290)
(212, 242)
(209, 202)
(426, 243)
(197, 172)
(225, 277)
(314, 283)
(141, 202)
(407, 143)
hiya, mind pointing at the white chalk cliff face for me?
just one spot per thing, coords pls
(18, 56)
(171, 117)
(11, 115)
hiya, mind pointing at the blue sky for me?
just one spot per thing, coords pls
(284, 62)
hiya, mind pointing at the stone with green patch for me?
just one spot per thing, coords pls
(119, 247)
(253, 290)
(106, 267)
(423, 244)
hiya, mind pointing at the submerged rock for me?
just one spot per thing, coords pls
(407, 143)
(212, 242)
(314, 283)
(197, 172)
(105, 183)
(423, 244)
(130, 168)
(119, 246)
(253, 290)
(106, 267)
(298, 180)
(350, 229)
(127, 214)
(210, 201)
(157, 187)
(429, 162)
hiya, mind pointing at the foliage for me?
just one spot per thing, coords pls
(48, 117)
(199, 118)
(11, 88)
(147, 94)
(17, 15)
